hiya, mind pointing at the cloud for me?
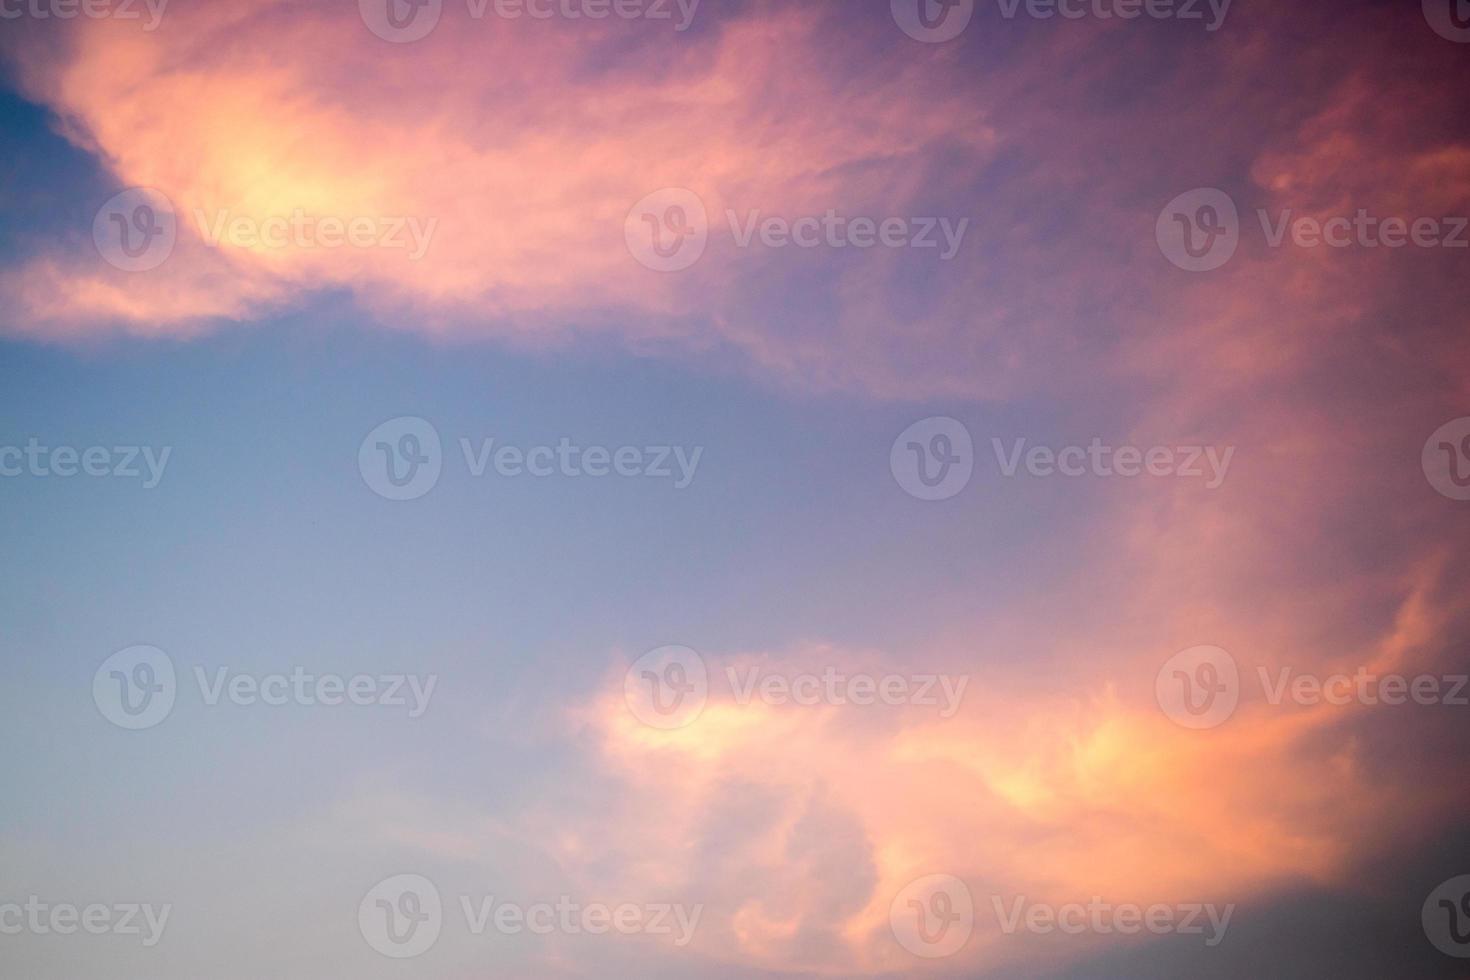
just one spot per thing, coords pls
(527, 143)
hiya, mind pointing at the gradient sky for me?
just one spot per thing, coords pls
(795, 547)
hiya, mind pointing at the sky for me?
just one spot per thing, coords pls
(570, 488)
